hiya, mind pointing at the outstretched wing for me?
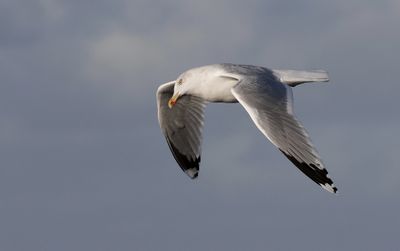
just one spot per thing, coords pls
(182, 127)
(269, 104)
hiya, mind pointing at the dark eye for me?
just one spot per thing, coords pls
(180, 81)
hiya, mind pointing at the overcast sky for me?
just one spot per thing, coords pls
(84, 165)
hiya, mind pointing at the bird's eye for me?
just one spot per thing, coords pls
(180, 81)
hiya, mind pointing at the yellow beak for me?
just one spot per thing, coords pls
(172, 101)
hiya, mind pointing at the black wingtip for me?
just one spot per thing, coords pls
(188, 165)
(319, 176)
(193, 173)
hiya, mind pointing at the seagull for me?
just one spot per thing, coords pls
(264, 93)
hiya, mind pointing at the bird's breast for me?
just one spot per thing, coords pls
(219, 90)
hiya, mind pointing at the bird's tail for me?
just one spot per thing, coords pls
(293, 78)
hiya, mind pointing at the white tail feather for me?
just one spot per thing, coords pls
(293, 78)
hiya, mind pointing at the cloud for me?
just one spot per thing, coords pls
(81, 147)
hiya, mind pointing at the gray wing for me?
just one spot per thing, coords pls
(269, 104)
(182, 127)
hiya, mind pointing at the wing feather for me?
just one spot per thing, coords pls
(269, 104)
(182, 127)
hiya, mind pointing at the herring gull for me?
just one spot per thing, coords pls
(264, 93)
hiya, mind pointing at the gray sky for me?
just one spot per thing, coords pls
(84, 165)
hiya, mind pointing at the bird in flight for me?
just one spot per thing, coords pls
(264, 93)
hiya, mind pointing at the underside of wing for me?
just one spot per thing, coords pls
(270, 107)
(182, 127)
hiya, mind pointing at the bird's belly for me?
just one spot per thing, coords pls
(220, 91)
(225, 97)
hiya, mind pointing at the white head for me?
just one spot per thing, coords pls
(205, 82)
(190, 82)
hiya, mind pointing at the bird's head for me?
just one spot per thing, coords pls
(197, 82)
(186, 83)
(179, 90)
